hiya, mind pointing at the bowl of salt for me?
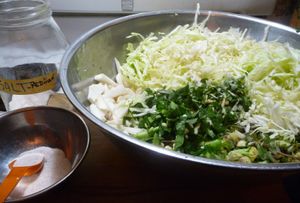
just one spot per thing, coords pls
(60, 136)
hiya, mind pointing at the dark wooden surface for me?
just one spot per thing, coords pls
(112, 173)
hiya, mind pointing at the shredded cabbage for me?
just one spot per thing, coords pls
(191, 53)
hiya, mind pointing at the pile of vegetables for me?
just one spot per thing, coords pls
(213, 94)
(193, 119)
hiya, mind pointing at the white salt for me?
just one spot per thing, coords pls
(29, 159)
(56, 166)
(37, 99)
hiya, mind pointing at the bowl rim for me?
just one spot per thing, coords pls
(177, 155)
(74, 167)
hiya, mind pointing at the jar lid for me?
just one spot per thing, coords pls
(22, 13)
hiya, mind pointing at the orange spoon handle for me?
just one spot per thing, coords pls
(10, 181)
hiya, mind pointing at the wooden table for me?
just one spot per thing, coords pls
(116, 172)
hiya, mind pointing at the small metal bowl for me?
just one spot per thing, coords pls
(28, 128)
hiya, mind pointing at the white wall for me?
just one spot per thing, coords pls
(252, 7)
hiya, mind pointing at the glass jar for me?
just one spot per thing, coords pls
(31, 48)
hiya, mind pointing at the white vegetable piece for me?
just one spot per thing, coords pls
(117, 91)
(101, 103)
(119, 113)
(94, 91)
(109, 100)
(97, 112)
(102, 78)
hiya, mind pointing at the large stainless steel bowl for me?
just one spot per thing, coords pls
(93, 53)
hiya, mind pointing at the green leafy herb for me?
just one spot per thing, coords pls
(193, 119)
